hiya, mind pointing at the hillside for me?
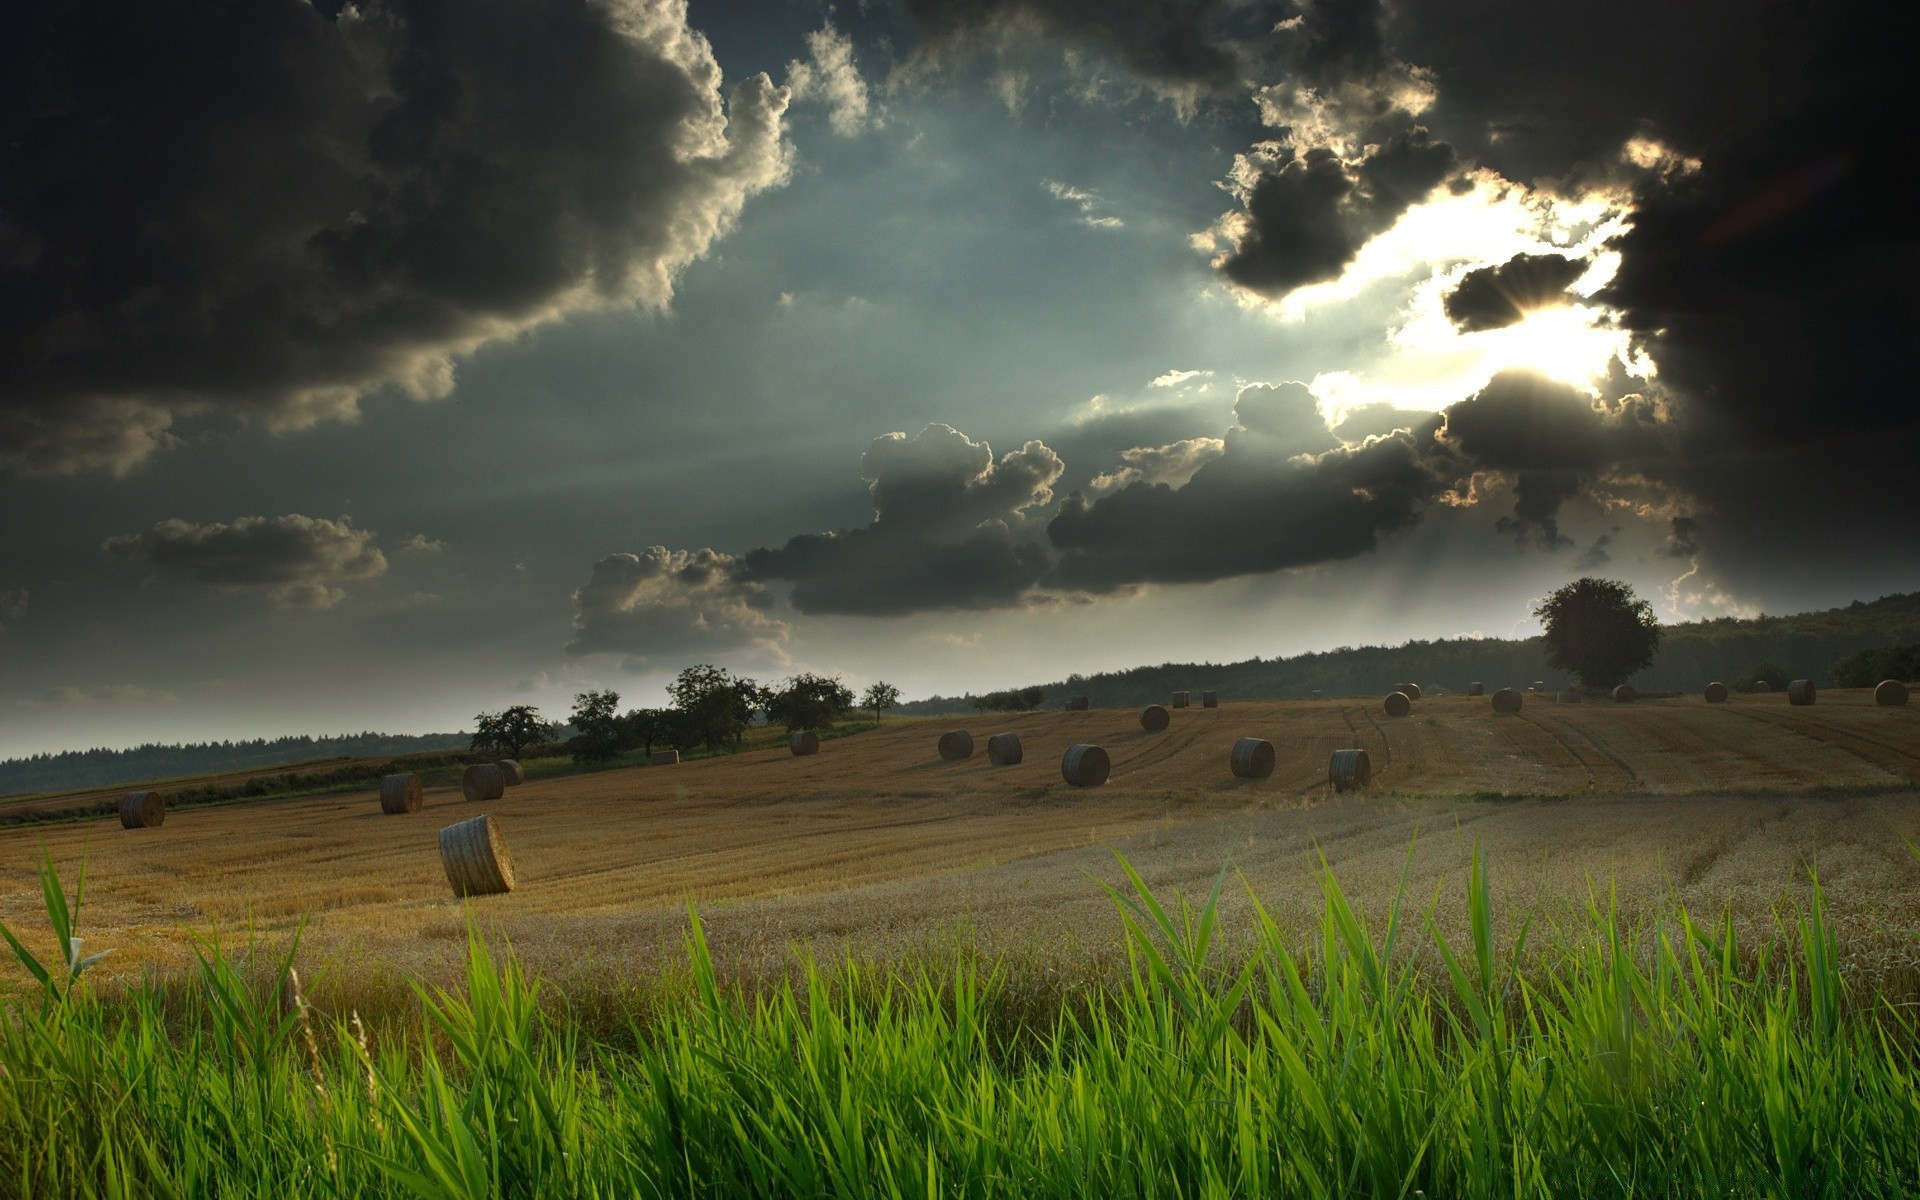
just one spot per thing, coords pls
(1718, 800)
(1691, 654)
(75, 769)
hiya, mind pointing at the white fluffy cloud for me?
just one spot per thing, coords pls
(665, 602)
(830, 76)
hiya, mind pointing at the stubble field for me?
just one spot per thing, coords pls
(877, 844)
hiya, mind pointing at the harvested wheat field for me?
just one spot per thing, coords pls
(878, 842)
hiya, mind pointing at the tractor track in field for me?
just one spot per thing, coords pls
(1844, 740)
(1386, 746)
(1587, 736)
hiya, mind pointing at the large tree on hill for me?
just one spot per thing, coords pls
(1596, 629)
(809, 701)
(881, 696)
(715, 705)
(512, 730)
(598, 732)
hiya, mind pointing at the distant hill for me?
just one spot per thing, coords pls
(75, 769)
(1691, 654)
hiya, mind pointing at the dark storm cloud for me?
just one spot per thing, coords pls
(297, 560)
(1682, 538)
(1246, 513)
(1285, 415)
(956, 528)
(1545, 91)
(1176, 44)
(950, 530)
(1552, 439)
(253, 208)
(1495, 297)
(665, 602)
(1308, 213)
(1598, 555)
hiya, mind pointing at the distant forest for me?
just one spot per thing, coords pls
(1805, 645)
(76, 769)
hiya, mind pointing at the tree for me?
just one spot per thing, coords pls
(809, 701)
(598, 729)
(881, 695)
(1869, 667)
(643, 727)
(1773, 675)
(512, 731)
(1596, 629)
(716, 705)
(1024, 699)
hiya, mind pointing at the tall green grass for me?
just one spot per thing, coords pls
(1372, 1061)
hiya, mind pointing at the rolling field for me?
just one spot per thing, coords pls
(877, 842)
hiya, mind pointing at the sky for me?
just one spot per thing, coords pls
(370, 366)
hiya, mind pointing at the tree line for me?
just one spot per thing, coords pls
(709, 707)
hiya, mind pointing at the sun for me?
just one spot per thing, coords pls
(1566, 342)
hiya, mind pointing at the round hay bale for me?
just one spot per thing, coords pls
(956, 744)
(1252, 758)
(475, 857)
(483, 782)
(400, 794)
(1085, 765)
(1003, 749)
(142, 810)
(1476, 689)
(1761, 685)
(1506, 700)
(1539, 685)
(1182, 699)
(1624, 694)
(1716, 693)
(1154, 718)
(511, 774)
(1410, 690)
(803, 742)
(1077, 704)
(1209, 699)
(1800, 692)
(1566, 697)
(1890, 694)
(1349, 770)
(1398, 705)
(1319, 695)
(663, 758)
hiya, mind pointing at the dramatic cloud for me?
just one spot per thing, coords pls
(672, 602)
(1496, 297)
(1178, 46)
(1552, 439)
(950, 530)
(830, 76)
(298, 561)
(1172, 464)
(268, 211)
(1307, 214)
(1246, 513)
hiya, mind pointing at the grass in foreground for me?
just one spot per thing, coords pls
(1667, 1060)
